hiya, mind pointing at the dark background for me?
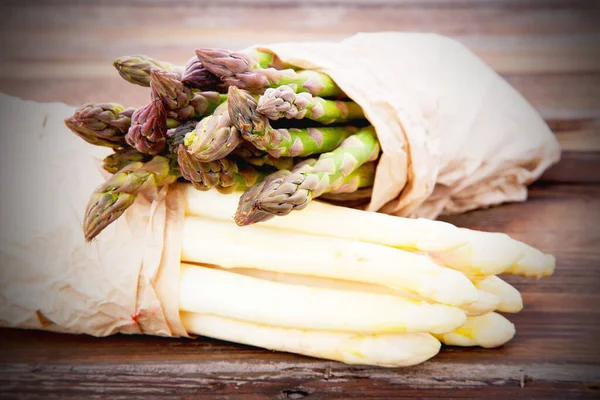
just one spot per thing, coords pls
(548, 50)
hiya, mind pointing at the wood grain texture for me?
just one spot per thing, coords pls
(549, 50)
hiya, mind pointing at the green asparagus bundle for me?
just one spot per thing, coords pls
(228, 141)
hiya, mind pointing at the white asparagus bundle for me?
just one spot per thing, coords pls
(486, 302)
(264, 248)
(469, 251)
(334, 282)
(211, 291)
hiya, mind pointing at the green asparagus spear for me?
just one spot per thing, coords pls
(121, 158)
(136, 69)
(362, 177)
(180, 101)
(214, 137)
(224, 174)
(356, 188)
(294, 142)
(148, 129)
(112, 198)
(284, 102)
(101, 124)
(238, 70)
(285, 191)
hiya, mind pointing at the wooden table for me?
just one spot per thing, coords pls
(548, 50)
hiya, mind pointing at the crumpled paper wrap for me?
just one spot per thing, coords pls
(127, 280)
(455, 136)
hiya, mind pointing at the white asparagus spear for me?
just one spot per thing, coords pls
(385, 350)
(489, 330)
(230, 246)
(534, 263)
(473, 252)
(510, 298)
(211, 291)
(486, 302)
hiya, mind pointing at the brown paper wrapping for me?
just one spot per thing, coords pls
(455, 136)
(126, 280)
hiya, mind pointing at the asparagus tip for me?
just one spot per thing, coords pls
(257, 203)
(242, 111)
(103, 210)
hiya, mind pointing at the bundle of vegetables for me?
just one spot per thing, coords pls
(230, 121)
(330, 281)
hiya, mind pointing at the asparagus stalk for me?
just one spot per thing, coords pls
(338, 258)
(216, 292)
(284, 102)
(388, 350)
(114, 196)
(294, 142)
(510, 299)
(489, 330)
(101, 124)
(213, 138)
(224, 174)
(238, 70)
(484, 253)
(148, 130)
(121, 158)
(285, 191)
(136, 69)
(362, 177)
(180, 101)
(485, 303)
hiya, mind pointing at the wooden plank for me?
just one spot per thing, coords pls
(536, 39)
(575, 167)
(519, 4)
(164, 368)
